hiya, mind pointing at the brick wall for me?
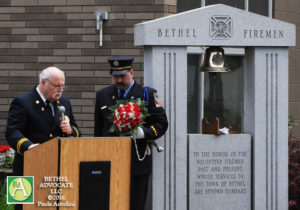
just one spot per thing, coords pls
(289, 11)
(35, 34)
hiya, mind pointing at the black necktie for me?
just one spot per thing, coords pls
(49, 109)
(122, 93)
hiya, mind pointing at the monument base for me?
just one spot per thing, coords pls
(219, 172)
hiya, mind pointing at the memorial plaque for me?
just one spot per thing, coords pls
(219, 172)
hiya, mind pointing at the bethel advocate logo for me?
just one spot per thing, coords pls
(220, 27)
(19, 189)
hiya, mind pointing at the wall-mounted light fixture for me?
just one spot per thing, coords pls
(100, 16)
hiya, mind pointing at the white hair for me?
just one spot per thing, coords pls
(47, 72)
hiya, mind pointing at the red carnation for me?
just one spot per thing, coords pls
(4, 148)
(126, 118)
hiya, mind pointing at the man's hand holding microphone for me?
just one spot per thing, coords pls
(64, 124)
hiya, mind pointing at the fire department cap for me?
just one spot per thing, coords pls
(119, 65)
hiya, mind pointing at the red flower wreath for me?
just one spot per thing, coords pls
(128, 116)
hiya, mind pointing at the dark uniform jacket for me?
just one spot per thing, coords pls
(155, 125)
(30, 122)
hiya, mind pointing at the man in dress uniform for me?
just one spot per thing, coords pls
(156, 124)
(34, 117)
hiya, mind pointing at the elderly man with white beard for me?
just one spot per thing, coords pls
(36, 116)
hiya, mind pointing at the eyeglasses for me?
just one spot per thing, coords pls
(57, 87)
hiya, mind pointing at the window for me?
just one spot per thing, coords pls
(262, 7)
(233, 3)
(185, 5)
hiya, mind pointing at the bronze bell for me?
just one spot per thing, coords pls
(214, 60)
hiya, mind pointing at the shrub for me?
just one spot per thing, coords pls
(3, 204)
(294, 173)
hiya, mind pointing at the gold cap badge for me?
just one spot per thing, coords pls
(116, 63)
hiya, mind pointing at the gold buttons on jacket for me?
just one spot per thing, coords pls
(51, 135)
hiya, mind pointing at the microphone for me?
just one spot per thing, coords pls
(62, 110)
